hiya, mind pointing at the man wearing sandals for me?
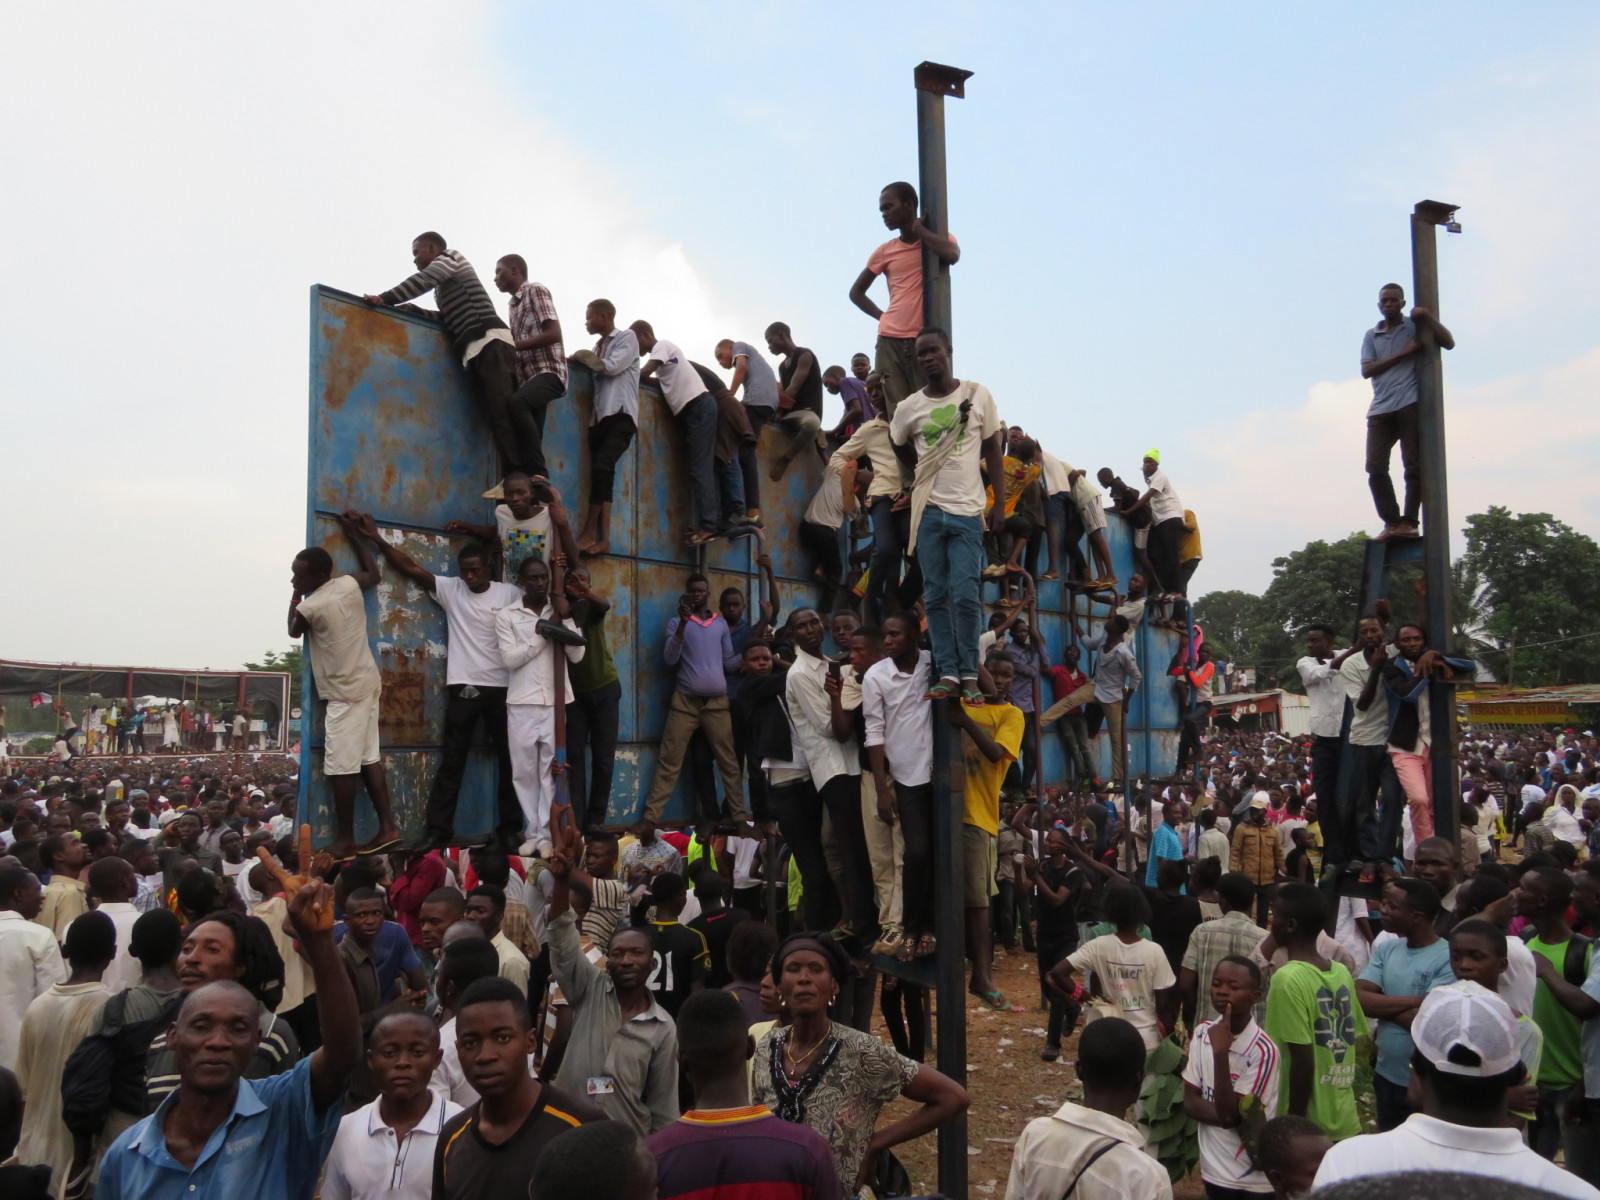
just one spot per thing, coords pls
(940, 434)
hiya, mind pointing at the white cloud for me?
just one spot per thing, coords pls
(179, 178)
(1276, 480)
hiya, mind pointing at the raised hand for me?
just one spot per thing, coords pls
(310, 900)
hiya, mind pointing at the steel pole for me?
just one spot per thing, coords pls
(1425, 219)
(933, 83)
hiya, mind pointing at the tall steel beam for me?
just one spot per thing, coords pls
(933, 83)
(1425, 220)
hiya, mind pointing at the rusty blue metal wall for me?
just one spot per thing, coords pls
(394, 431)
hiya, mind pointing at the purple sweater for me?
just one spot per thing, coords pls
(703, 657)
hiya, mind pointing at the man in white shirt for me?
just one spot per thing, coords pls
(1166, 523)
(696, 411)
(385, 1150)
(530, 658)
(1369, 772)
(835, 767)
(331, 614)
(475, 678)
(1087, 1151)
(899, 742)
(112, 887)
(1325, 688)
(940, 434)
(30, 958)
(1467, 1059)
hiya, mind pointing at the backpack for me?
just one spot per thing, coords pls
(1575, 963)
(106, 1071)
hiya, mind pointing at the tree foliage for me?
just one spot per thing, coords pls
(1534, 598)
(1523, 602)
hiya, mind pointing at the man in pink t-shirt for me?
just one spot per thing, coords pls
(899, 260)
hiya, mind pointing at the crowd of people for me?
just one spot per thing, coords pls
(178, 1008)
(121, 728)
(194, 1000)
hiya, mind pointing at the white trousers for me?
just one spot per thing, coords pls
(531, 729)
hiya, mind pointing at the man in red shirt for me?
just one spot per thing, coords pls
(1067, 679)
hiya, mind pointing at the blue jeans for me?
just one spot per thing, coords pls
(730, 481)
(699, 418)
(950, 549)
(884, 570)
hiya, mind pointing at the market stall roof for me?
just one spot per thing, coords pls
(22, 678)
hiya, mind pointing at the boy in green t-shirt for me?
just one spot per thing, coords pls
(1313, 1016)
(1542, 896)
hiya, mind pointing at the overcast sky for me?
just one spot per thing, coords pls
(1173, 225)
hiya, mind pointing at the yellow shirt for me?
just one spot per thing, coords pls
(1018, 476)
(1189, 547)
(980, 791)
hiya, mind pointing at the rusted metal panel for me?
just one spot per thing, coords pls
(395, 431)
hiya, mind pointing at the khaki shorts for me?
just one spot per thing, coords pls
(351, 739)
(1093, 514)
(980, 858)
(1141, 537)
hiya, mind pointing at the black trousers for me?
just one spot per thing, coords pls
(527, 407)
(798, 809)
(841, 796)
(1326, 754)
(592, 720)
(494, 370)
(1383, 431)
(1165, 538)
(823, 545)
(916, 872)
(461, 717)
(609, 439)
(749, 467)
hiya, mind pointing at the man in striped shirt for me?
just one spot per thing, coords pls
(476, 331)
(726, 1148)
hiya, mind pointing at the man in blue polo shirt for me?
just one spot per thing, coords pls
(222, 1137)
(1164, 842)
(1389, 358)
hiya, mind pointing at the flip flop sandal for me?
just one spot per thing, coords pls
(994, 999)
(972, 697)
(927, 946)
(393, 843)
(943, 690)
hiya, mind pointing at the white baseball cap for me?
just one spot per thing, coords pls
(1261, 800)
(1465, 1029)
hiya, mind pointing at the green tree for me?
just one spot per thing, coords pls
(290, 660)
(1536, 596)
(1230, 620)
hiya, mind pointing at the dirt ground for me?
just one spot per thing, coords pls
(1010, 1085)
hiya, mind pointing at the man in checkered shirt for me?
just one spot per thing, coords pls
(541, 363)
